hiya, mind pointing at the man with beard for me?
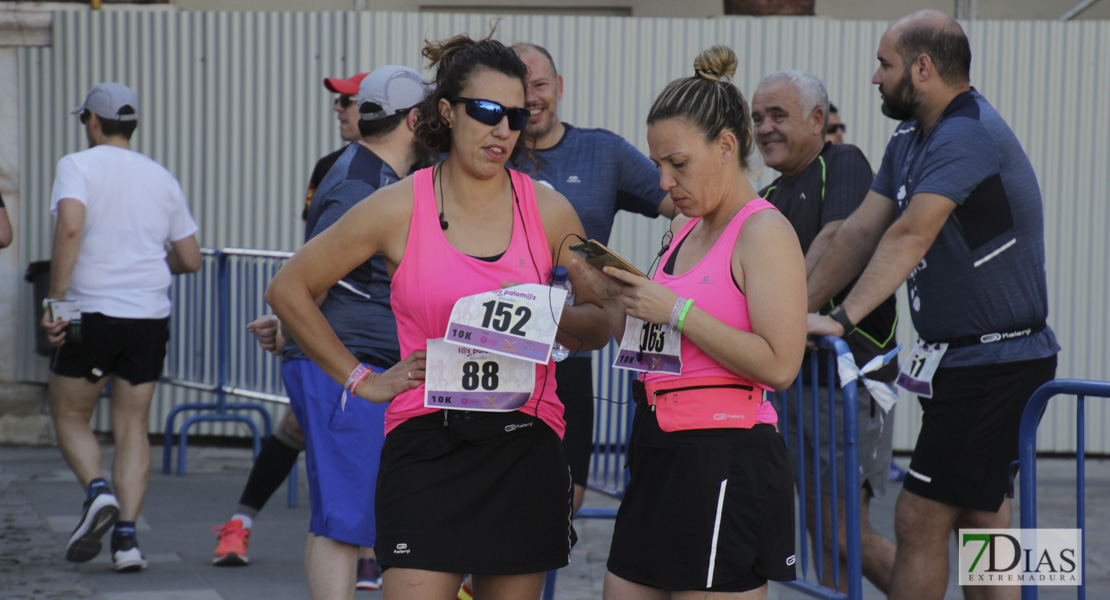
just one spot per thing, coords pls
(600, 173)
(821, 184)
(955, 208)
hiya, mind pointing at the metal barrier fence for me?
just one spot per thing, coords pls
(215, 352)
(613, 424)
(1027, 458)
(793, 411)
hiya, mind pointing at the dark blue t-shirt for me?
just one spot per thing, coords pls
(600, 173)
(985, 272)
(357, 308)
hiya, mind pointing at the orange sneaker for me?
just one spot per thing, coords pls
(231, 551)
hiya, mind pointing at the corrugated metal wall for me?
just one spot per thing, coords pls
(233, 104)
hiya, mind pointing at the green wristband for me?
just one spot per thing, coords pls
(682, 315)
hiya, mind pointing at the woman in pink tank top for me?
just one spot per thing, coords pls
(731, 290)
(459, 491)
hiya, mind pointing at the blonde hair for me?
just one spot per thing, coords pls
(709, 100)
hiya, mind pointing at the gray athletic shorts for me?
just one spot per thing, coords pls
(876, 439)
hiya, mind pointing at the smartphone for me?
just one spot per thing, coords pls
(597, 255)
(66, 310)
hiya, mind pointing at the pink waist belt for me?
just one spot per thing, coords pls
(701, 402)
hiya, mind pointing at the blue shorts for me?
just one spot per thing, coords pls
(342, 452)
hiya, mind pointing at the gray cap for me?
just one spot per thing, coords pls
(110, 100)
(389, 90)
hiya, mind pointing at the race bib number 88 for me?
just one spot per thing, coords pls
(470, 379)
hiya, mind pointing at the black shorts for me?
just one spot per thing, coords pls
(131, 349)
(574, 377)
(488, 493)
(708, 509)
(969, 432)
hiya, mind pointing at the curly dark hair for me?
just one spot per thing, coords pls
(455, 61)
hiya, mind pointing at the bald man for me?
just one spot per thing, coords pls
(955, 212)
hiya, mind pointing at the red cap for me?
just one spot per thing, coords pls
(347, 86)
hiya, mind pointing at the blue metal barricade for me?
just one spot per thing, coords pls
(214, 326)
(1027, 458)
(794, 406)
(613, 413)
(251, 372)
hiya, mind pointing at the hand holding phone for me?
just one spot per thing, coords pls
(66, 311)
(597, 255)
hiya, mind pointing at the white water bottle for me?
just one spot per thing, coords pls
(560, 279)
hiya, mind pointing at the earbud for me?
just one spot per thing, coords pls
(442, 222)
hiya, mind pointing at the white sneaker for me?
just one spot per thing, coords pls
(97, 517)
(127, 557)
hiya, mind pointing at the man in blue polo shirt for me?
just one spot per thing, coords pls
(600, 173)
(955, 211)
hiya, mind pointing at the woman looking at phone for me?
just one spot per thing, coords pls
(704, 450)
(486, 493)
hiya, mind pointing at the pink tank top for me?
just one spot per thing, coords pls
(433, 275)
(711, 286)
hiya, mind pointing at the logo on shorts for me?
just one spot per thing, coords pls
(401, 548)
(790, 560)
(514, 427)
(1020, 556)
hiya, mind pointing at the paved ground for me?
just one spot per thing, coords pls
(40, 500)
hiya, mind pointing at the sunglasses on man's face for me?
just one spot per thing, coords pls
(345, 100)
(490, 113)
(832, 129)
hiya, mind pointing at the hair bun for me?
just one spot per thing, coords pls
(716, 63)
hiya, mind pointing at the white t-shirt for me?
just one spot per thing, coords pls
(133, 206)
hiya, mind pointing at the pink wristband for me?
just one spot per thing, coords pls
(357, 376)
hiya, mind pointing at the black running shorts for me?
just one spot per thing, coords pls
(969, 432)
(132, 349)
(469, 492)
(707, 509)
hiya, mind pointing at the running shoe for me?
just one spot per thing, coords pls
(97, 516)
(369, 575)
(231, 550)
(126, 556)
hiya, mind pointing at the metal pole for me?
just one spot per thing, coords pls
(1074, 11)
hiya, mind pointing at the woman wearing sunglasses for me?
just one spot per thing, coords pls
(704, 451)
(486, 493)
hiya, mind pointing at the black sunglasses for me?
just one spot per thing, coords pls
(490, 113)
(832, 129)
(345, 100)
(84, 116)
